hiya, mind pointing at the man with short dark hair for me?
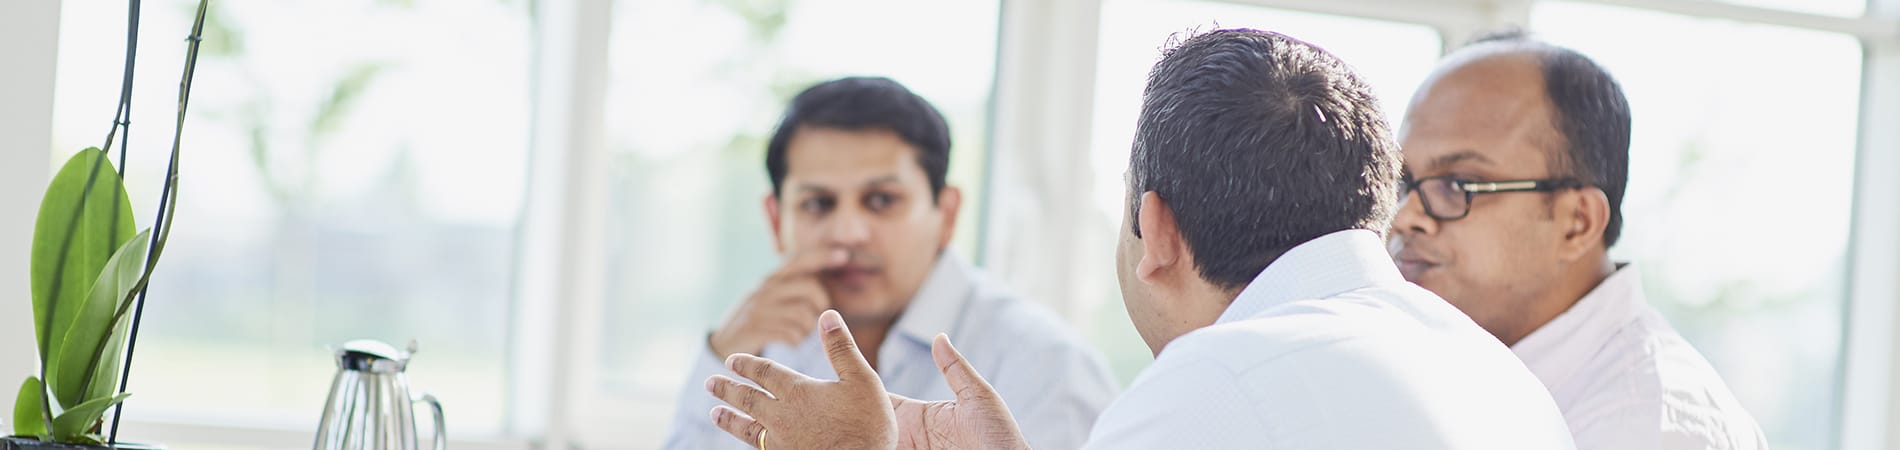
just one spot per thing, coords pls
(1517, 155)
(1251, 262)
(862, 212)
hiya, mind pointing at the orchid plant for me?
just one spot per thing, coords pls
(90, 269)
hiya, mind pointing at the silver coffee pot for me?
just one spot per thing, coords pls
(370, 406)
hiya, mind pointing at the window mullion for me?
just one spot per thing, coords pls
(1035, 238)
(560, 264)
(1869, 393)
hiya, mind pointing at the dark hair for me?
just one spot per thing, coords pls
(1260, 142)
(865, 103)
(1590, 114)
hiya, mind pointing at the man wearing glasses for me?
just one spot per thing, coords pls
(1516, 157)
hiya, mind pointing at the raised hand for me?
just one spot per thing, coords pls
(976, 419)
(782, 309)
(792, 411)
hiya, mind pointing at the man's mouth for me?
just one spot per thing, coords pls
(1413, 263)
(1412, 270)
(1413, 267)
(851, 276)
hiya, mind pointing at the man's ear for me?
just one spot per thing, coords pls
(771, 217)
(1585, 216)
(1163, 249)
(949, 200)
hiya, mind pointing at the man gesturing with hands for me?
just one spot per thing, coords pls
(862, 215)
(1250, 261)
(977, 418)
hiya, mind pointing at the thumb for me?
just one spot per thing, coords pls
(957, 372)
(842, 349)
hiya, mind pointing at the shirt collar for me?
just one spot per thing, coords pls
(938, 305)
(1558, 349)
(1323, 267)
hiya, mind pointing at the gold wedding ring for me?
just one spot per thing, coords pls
(761, 438)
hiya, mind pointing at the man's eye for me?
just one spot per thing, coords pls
(815, 205)
(879, 201)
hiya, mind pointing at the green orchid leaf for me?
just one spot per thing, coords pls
(96, 329)
(70, 250)
(26, 409)
(104, 367)
(72, 425)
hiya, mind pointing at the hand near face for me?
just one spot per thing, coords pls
(782, 309)
(798, 412)
(794, 411)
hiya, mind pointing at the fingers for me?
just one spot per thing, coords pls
(737, 424)
(798, 300)
(792, 331)
(769, 375)
(846, 360)
(806, 298)
(790, 311)
(747, 398)
(780, 310)
(796, 318)
(957, 372)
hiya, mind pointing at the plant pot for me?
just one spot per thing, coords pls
(20, 443)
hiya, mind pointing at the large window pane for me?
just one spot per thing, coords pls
(352, 169)
(695, 89)
(1740, 195)
(1393, 58)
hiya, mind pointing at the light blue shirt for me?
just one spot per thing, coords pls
(1055, 384)
(1330, 349)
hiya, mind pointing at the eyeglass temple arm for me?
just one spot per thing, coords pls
(1511, 186)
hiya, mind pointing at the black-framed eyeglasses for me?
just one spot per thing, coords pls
(1448, 198)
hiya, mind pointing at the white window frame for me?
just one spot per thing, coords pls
(1045, 77)
(1870, 391)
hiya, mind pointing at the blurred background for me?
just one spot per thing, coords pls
(557, 198)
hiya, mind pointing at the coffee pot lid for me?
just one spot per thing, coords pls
(368, 355)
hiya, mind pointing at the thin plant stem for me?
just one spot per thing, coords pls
(122, 118)
(166, 205)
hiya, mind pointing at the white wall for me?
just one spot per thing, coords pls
(29, 36)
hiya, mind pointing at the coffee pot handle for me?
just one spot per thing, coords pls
(435, 407)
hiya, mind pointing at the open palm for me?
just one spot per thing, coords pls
(976, 419)
(790, 410)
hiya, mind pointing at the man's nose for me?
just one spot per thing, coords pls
(849, 227)
(1411, 218)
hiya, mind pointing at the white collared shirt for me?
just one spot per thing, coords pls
(1054, 383)
(1329, 348)
(1626, 380)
